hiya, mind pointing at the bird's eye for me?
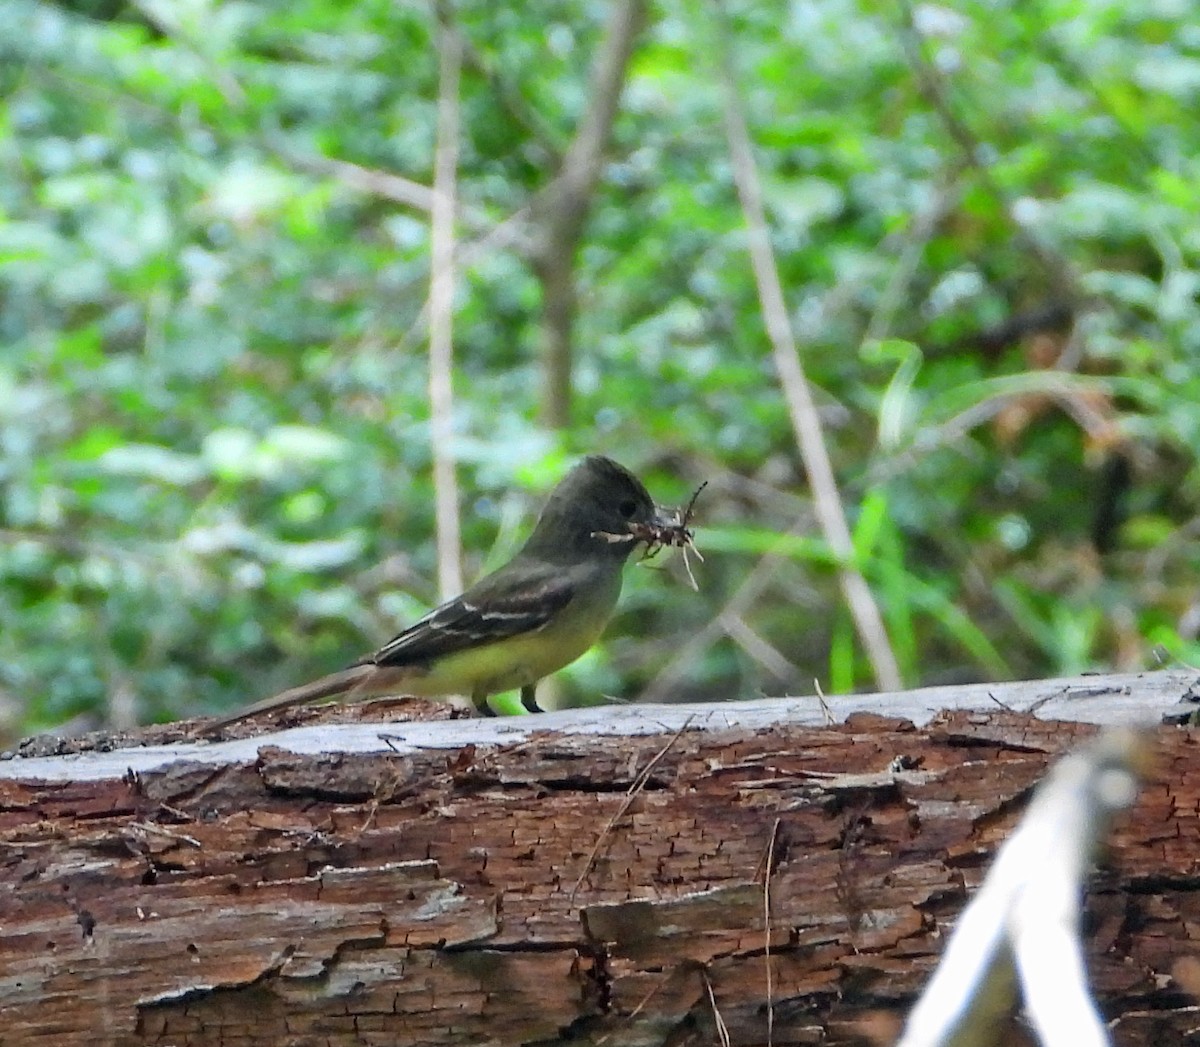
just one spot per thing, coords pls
(627, 508)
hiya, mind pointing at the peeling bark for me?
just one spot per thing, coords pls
(322, 886)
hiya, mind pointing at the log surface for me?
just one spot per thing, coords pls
(498, 882)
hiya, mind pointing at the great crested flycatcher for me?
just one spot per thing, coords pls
(525, 620)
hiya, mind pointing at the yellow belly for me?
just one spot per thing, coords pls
(519, 660)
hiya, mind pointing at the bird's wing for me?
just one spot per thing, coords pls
(502, 605)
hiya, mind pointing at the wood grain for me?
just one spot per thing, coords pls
(320, 886)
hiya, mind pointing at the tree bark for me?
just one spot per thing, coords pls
(598, 876)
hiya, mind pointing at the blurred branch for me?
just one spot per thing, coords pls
(369, 180)
(547, 230)
(912, 241)
(388, 186)
(507, 94)
(382, 184)
(1073, 393)
(171, 21)
(490, 235)
(766, 654)
(801, 408)
(1023, 925)
(509, 232)
(1076, 73)
(1046, 316)
(753, 585)
(121, 701)
(906, 243)
(559, 211)
(441, 315)
(1058, 269)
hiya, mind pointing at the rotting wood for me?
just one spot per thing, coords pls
(323, 886)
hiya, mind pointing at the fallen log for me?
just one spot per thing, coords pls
(598, 876)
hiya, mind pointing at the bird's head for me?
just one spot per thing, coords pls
(599, 507)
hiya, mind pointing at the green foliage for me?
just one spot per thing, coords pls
(214, 427)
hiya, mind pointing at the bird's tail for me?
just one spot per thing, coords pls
(339, 683)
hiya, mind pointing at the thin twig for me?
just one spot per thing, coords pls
(382, 184)
(830, 719)
(750, 589)
(1065, 388)
(912, 245)
(638, 784)
(762, 651)
(171, 21)
(1055, 265)
(441, 313)
(547, 228)
(796, 391)
(506, 94)
(722, 1028)
(671, 977)
(767, 933)
(654, 991)
(512, 231)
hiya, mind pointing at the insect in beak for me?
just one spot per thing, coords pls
(669, 529)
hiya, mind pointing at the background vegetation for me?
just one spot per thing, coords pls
(215, 258)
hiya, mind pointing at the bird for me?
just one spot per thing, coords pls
(525, 620)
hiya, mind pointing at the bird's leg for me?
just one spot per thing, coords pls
(529, 699)
(479, 700)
